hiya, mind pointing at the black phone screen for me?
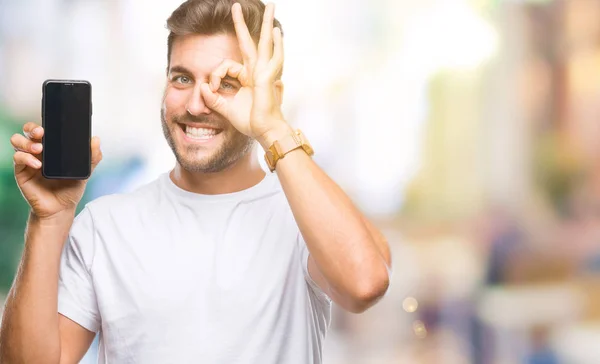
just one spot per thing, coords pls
(66, 118)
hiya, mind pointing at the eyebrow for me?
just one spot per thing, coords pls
(231, 79)
(179, 69)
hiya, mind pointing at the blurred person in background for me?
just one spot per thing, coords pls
(215, 261)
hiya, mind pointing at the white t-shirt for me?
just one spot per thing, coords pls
(170, 276)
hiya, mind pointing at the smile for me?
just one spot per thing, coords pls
(202, 134)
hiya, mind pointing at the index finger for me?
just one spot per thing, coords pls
(33, 131)
(245, 41)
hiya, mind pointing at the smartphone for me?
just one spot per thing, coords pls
(67, 122)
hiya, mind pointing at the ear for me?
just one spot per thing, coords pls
(279, 91)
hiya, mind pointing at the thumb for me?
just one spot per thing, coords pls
(213, 100)
(96, 152)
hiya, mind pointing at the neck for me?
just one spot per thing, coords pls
(241, 175)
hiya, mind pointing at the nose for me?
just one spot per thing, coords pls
(196, 105)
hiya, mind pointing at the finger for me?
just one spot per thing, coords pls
(213, 100)
(22, 143)
(276, 63)
(227, 68)
(265, 44)
(96, 152)
(23, 160)
(247, 46)
(33, 131)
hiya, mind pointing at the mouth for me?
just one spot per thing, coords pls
(199, 133)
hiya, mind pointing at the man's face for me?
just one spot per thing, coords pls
(201, 139)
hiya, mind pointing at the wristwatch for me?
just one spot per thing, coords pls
(285, 145)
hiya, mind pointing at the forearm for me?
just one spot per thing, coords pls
(30, 331)
(349, 252)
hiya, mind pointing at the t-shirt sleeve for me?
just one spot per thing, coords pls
(76, 296)
(315, 289)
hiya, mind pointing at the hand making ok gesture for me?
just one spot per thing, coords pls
(255, 110)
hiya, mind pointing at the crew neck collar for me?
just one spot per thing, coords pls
(261, 188)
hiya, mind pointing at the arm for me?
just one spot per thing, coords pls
(349, 258)
(32, 331)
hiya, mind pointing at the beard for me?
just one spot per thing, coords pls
(235, 145)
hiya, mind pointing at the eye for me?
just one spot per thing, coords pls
(227, 87)
(182, 79)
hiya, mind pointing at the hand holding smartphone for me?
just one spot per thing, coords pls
(67, 123)
(55, 186)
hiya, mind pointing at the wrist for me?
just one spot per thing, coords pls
(48, 234)
(276, 133)
(57, 220)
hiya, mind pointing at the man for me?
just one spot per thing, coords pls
(214, 262)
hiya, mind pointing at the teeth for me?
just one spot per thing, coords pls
(200, 133)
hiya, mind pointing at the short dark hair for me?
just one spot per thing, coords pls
(209, 17)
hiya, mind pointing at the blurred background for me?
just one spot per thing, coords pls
(468, 130)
